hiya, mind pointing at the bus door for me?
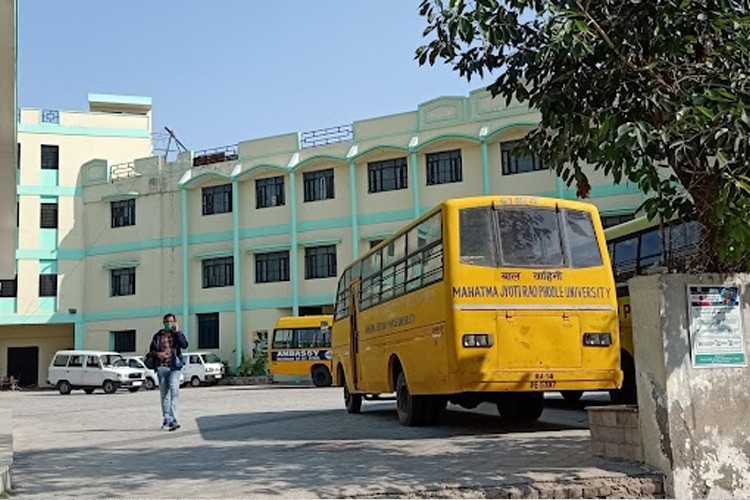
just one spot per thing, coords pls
(354, 332)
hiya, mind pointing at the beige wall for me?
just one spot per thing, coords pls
(8, 53)
(49, 339)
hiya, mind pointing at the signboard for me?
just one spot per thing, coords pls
(715, 326)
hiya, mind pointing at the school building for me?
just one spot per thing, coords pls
(230, 239)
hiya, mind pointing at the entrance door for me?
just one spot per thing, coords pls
(23, 364)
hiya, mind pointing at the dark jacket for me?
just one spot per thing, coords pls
(179, 342)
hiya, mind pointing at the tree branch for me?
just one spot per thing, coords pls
(620, 55)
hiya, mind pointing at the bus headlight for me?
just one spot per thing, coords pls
(597, 339)
(477, 340)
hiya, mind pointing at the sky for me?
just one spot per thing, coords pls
(224, 71)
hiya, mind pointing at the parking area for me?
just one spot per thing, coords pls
(262, 441)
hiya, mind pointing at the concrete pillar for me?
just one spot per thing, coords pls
(693, 414)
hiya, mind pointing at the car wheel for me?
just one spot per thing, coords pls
(195, 381)
(149, 384)
(89, 390)
(109, 387)
(64, 387)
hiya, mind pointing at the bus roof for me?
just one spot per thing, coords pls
(630, 227)
(303, 321)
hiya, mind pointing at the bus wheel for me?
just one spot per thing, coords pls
(627, 395)
(521, 407)
(321, 376)
(571, 396)
(415, 411)
(353, 402)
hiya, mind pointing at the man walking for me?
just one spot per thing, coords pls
(167, 345)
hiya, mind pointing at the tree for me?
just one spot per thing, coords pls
(652, 91)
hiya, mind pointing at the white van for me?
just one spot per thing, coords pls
(150, 380)
(201, 367)
(89, 370)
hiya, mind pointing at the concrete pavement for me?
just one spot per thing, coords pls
(256, 441)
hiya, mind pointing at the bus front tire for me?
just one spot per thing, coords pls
(353, 402)
(321, 376)
(571, 396)
(521, 407)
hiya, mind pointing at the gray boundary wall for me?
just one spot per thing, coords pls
(694, 422)
(7, 138)
(6, 450)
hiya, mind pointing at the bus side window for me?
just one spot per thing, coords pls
(282, 339)
(650, 252)
(626, 254)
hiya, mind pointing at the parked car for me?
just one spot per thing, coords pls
(150, 380)
(89, 370)
(200, 367)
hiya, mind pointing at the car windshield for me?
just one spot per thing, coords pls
(120, 363)
(111, 359)
(211, 358)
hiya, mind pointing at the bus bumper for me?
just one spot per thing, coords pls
(541, 380)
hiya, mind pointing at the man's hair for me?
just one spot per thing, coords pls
(169, 315)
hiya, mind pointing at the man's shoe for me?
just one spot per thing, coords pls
(165, 427)
(174, 426)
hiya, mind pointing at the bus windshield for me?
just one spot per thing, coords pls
(527, 237)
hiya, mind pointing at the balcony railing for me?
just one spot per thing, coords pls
(121, 171)
(50, 116)
(215, 155)
(323, 136)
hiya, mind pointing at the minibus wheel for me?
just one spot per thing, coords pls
(571, 396)
(412, 410)
(521, 406)
(321, 376)
(353, 402)
(149, 383)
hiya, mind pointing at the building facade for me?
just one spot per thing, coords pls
(230, 239)
(41, 308)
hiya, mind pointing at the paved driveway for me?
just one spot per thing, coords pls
(242, 441)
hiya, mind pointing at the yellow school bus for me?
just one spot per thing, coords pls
(637, 247)
(484, 299)
(301, 347)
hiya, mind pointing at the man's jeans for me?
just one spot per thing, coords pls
(169, 390)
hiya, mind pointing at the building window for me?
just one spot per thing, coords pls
(50, 157)
(48, 285)
(320, 262)
(269, 192)
(271, 267)
(218, 272)
(124, 340)
(388, 175)
(122, 282)
(208, 331)
(318, 185)
(444, 167)
(123, 213)
(217, 199)
(515, 164)
(9, 288)
(613, 220)
(48, 217)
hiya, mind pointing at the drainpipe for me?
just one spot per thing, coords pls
(185, 274)
(353, 208)
(293, 250)
(237, 274)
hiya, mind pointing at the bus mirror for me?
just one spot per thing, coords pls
(324, 326)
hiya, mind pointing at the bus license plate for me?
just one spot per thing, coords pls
(543, 381)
